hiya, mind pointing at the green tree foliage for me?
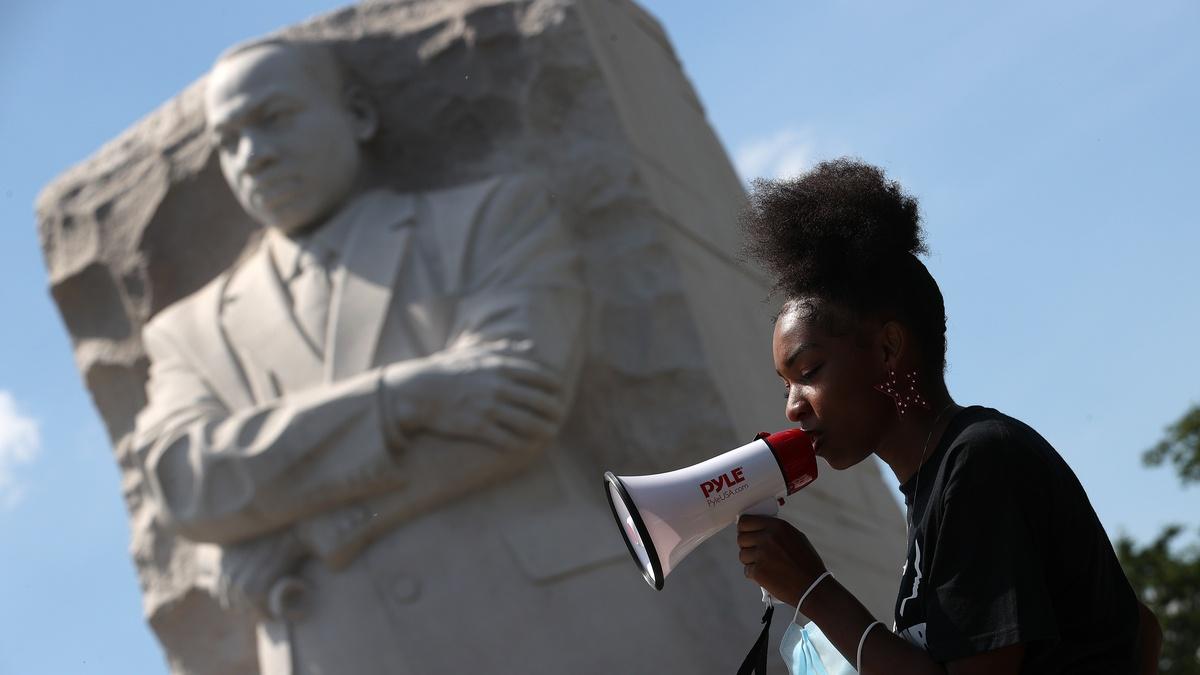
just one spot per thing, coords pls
(1169, 583)
(1181, 447)
(1165, 576)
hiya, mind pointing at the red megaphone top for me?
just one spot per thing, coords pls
(793, 450)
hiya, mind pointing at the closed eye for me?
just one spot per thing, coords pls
(807, 375)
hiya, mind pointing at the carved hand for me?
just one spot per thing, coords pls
(248, 570)
(483, 393)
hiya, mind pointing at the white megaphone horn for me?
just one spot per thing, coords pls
(665, 516)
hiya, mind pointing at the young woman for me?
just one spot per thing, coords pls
(1008, 568)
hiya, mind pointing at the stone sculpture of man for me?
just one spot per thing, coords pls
(359, 412)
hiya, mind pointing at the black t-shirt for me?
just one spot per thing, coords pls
(1006, 549)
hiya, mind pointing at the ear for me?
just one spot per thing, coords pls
(362, 110)
(893, 340)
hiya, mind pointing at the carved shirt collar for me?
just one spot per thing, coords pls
(325, 244)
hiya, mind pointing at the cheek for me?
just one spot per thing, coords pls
(325, 168)
(857, 411)
(330, 167)
(325, 134)
(845, 394)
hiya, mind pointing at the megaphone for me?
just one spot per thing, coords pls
(664, 517)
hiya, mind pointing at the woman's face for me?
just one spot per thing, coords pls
(830, 381)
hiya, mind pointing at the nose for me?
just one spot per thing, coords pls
(255, 152)
(797, 406)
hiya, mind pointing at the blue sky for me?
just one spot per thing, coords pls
(1052, 146)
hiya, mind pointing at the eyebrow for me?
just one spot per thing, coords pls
(795, 353)
(249, 109)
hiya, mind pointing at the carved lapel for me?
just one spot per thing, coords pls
(209, 350)
(363, 285)
(258, 320)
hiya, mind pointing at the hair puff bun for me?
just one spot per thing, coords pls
(840, 221)
(846, 233)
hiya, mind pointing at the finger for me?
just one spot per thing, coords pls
(755, 539)
(523, 423)
(536, 401)
(254, 577)
(751, 523)
(263, 576)
(224, 591)
(748, 556)
(530, 373)
(504, 438)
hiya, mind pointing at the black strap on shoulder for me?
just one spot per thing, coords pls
(756, 660)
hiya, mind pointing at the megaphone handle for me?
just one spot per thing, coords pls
(767, 507)
(756, 660)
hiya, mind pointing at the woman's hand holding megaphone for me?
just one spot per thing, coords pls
(777, 557)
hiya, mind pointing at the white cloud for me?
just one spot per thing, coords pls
(783, 154)
(20, 443)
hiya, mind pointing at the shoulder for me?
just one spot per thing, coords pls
(185, 318)
(498, 213)
(989, 446)
(501, 192)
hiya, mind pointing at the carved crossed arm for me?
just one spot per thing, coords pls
(310, 459)
(225, 476)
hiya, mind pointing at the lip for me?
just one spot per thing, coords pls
(816, 437)
(270, 193)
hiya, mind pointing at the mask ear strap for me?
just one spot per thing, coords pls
(756, 660)
(811, 586)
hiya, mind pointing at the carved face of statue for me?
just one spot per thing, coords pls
(287, 132)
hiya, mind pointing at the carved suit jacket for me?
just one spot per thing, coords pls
(248, 431)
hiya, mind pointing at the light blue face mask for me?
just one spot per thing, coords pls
(807, 651)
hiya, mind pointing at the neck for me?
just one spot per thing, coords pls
(910, 441)
(361, 184)
(318, 223)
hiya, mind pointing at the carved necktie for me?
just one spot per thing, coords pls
(310, 290)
